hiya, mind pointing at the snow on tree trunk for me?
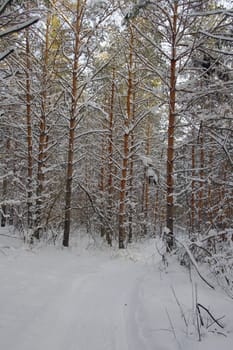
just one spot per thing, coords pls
(42, 135)
(80, 8)
(171, 129)
(29, 134)
(125, 164)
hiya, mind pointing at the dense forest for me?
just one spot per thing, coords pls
(116, 116)
(116, 174)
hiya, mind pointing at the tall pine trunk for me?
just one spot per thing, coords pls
(171, 131)
(110, 154)
(29, 134)
(5, 185)
(201, 176)
(131, 173)
(146, 178)
(125, 165)
(72, 123)
(42, 135)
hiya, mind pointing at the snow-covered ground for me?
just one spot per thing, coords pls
(89, 298)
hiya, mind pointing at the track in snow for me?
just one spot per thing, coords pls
(56, 300)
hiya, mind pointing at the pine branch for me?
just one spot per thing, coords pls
(4, 5)
(192, 259)
(19, 27)
(6, 54)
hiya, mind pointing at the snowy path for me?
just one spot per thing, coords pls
(66, 302)
(55, 299)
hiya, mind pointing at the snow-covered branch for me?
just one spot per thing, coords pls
(18, 27)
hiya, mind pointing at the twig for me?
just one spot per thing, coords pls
(220, 318)
(4, 5)
(199, 319)
(172, 328)
(192, 259)
(209, 313)
(198, 246)
(200, 316)
(2, 251)
(6, 54)
(179, 305)
(171, 324)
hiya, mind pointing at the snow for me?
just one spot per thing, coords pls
(93, 297)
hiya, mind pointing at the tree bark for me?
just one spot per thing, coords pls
(201, 174)
(146, 179)
(5, 185)
(171, 130)
(124, 171)
(42, 136)
(110, 153)
(29, 133)
(193, 204)
(131, 173)
(72, 124)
